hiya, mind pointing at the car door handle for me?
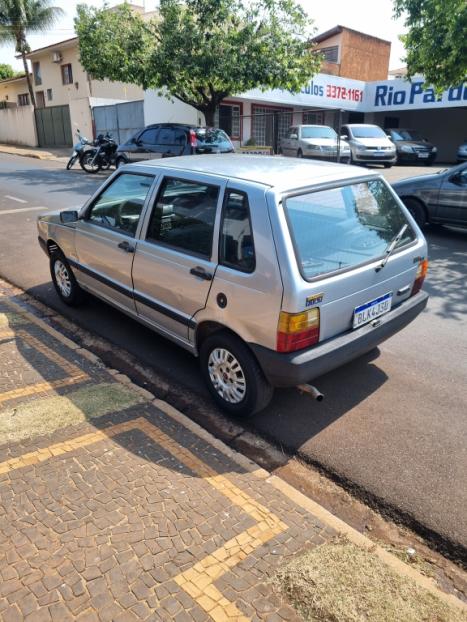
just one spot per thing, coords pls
(127, 247)
(201, 273)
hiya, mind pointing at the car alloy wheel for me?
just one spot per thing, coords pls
(227, 375)
(62, 278)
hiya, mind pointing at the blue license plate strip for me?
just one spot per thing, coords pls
(371, 310)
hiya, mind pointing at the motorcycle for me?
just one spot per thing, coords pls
(78, 149)
(102, 156)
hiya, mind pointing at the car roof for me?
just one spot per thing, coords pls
(361, 125)
(278, 172)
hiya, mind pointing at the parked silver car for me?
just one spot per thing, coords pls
(369, 144)
(272, 271)
(314, 141)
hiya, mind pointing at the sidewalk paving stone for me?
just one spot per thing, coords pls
(112, 510)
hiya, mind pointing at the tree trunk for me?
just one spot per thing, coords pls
(209, 115)
(28, 78)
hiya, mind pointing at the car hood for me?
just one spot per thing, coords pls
(413, 143)
(374, 142)
(420, 181)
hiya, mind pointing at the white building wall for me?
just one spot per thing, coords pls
(160, 109)
(17, 126)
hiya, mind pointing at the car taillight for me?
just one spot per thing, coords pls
(297, 330)
(420, 276)
(193, 139)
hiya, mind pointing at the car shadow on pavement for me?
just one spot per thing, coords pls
(447, 273)
(75, 180)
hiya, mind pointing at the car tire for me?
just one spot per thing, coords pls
(64, 280)
(387, 165)
(417, 211)
(299, 153)
(233, 375)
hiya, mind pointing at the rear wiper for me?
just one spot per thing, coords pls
(391, 246)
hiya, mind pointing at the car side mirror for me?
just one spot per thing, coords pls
(389, 136)
(68, 216)
(459, 179)
(294, 136)
(342, 137)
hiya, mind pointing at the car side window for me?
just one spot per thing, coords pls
(183, 216)
(236, 248)
(179, 137)
(149, 137)
(120, 204)
(166, 136)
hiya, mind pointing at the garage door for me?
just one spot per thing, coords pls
(54, 126)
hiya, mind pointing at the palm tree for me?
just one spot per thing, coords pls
(20, 16)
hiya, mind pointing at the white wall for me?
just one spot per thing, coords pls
(17, 126)
(80, 117)
(159, 109)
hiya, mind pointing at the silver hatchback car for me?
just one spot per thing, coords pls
(272, 271)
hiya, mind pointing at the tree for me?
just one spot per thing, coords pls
(200, 51)
(17, 17)
(6, 71)
(436, 42)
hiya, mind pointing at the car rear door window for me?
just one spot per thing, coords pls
(166, 136)
(183, 216)
(179, 137)
(236, 248)
(120, 205)
(149, 137)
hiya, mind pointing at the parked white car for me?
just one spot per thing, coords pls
(315, 141)
(369, 144)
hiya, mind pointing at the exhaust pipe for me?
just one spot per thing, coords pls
(311, 390)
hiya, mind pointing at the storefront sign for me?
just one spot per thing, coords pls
(326, 91)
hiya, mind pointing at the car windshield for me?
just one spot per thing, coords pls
(367, 131)
(318, 132)
(406, 135)
(211, 136)
(344, 227)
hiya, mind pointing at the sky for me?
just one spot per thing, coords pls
(373, 17)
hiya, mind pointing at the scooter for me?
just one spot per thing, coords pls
(78, 149)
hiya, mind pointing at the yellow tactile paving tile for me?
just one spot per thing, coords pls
(41, 387)
(198, 581)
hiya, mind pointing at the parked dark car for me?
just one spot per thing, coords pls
(439, 198)
(164, 140)
(412, 147)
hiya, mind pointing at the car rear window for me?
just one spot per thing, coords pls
(344, 227)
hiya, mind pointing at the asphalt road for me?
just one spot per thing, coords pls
(395, 426)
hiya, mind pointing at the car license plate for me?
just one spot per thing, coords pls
(371, 310)
(423, 155)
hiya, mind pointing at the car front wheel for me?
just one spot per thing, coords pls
(64, 281)
(233, 376)
(417, 210)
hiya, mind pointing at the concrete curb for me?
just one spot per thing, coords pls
(28, 153)
(289, 491)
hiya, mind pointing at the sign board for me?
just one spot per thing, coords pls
(333, 92)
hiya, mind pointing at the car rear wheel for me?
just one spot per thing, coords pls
(417, 210)
(64, 280)
(233, 376)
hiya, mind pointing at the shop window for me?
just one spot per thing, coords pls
(227, 118)
(23, 99)
(67, 74)
(36, 70)
(313, 118)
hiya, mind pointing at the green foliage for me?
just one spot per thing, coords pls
(6, 71)
(200, 51)
(436, 42)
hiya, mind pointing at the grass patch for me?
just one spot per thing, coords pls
(340, 582)
(43, 416)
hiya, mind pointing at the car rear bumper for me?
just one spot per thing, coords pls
(288, 370)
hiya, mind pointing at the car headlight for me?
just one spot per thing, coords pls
(360, 147)
(312, 146)
(406, 149)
